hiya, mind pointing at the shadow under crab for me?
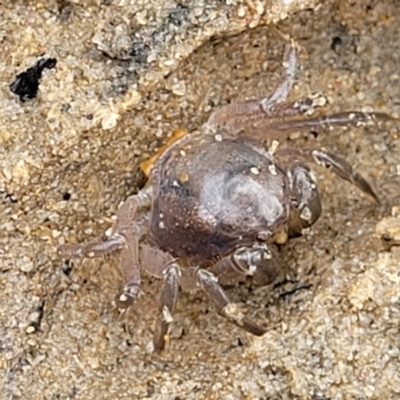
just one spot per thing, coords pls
(217, 200)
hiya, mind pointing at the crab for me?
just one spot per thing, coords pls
(218, 200)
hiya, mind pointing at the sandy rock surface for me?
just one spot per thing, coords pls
(128, 74)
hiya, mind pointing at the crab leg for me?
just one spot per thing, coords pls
(163, 266)
(130, 267)
(283, 89)
(356, 118)
(208, 282)
(122, 236)
(91, 249)
(276, 111)
(167, 305)
(338, 165)
(242, 113)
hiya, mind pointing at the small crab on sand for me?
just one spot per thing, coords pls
(217, 200)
